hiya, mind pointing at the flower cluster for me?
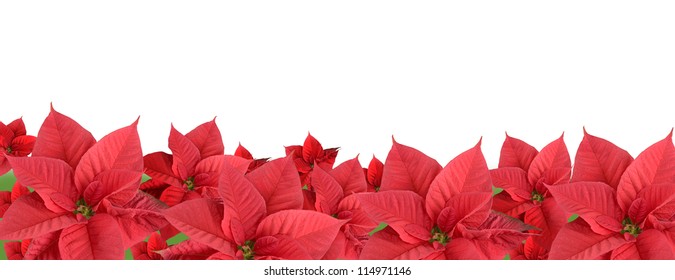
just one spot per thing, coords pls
(79, 198)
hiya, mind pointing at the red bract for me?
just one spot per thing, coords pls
(149, 250)
(86, 203)
(240, 228)
(408, 169)
(245, 154)
(524, 174)
(14, 142)
(455, 221)
(309, 154)
(374, 174)
(630, 221)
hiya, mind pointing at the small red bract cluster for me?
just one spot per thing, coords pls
(79, 198)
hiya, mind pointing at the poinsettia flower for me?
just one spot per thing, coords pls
(8, 197)
(14, 142)
(309, 154)
(191, 171)
(524, 173)
(630, 221)
(86, 203)
(240, 227)
(244, 153)
(374, 174)
(149, 250)
(455, 221)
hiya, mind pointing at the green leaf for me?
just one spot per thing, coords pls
(496, 191)
(572, 218)
(380, 227)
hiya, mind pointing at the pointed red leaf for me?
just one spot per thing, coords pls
(397, 209)
(599, 160)
(29, 218)
(185, 154)
(374, 174)
(158, 167)
(387, 245)
(467, 172)
(311, 149)
(243, 152)
(408, 169)
(47, 176)
(98, 239)
(554, 155)
(589, 200)
(244, 206)
(516, 153)
(200, 219)
(350, 176)
(654, 165)
(576, 241)
(61, 137)
(279, 184)
(314, 231)
(328, 191)
(120, 149)
(206, 137)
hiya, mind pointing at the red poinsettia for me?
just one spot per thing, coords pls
(14, 142)
(625, 208)
(240, 227)
(454, 222)
(184, 174)
(245, 154)
(86, 203)
(309, 154)
(524, 174)
(374, 174)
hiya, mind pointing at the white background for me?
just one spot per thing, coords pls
(437, 75)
